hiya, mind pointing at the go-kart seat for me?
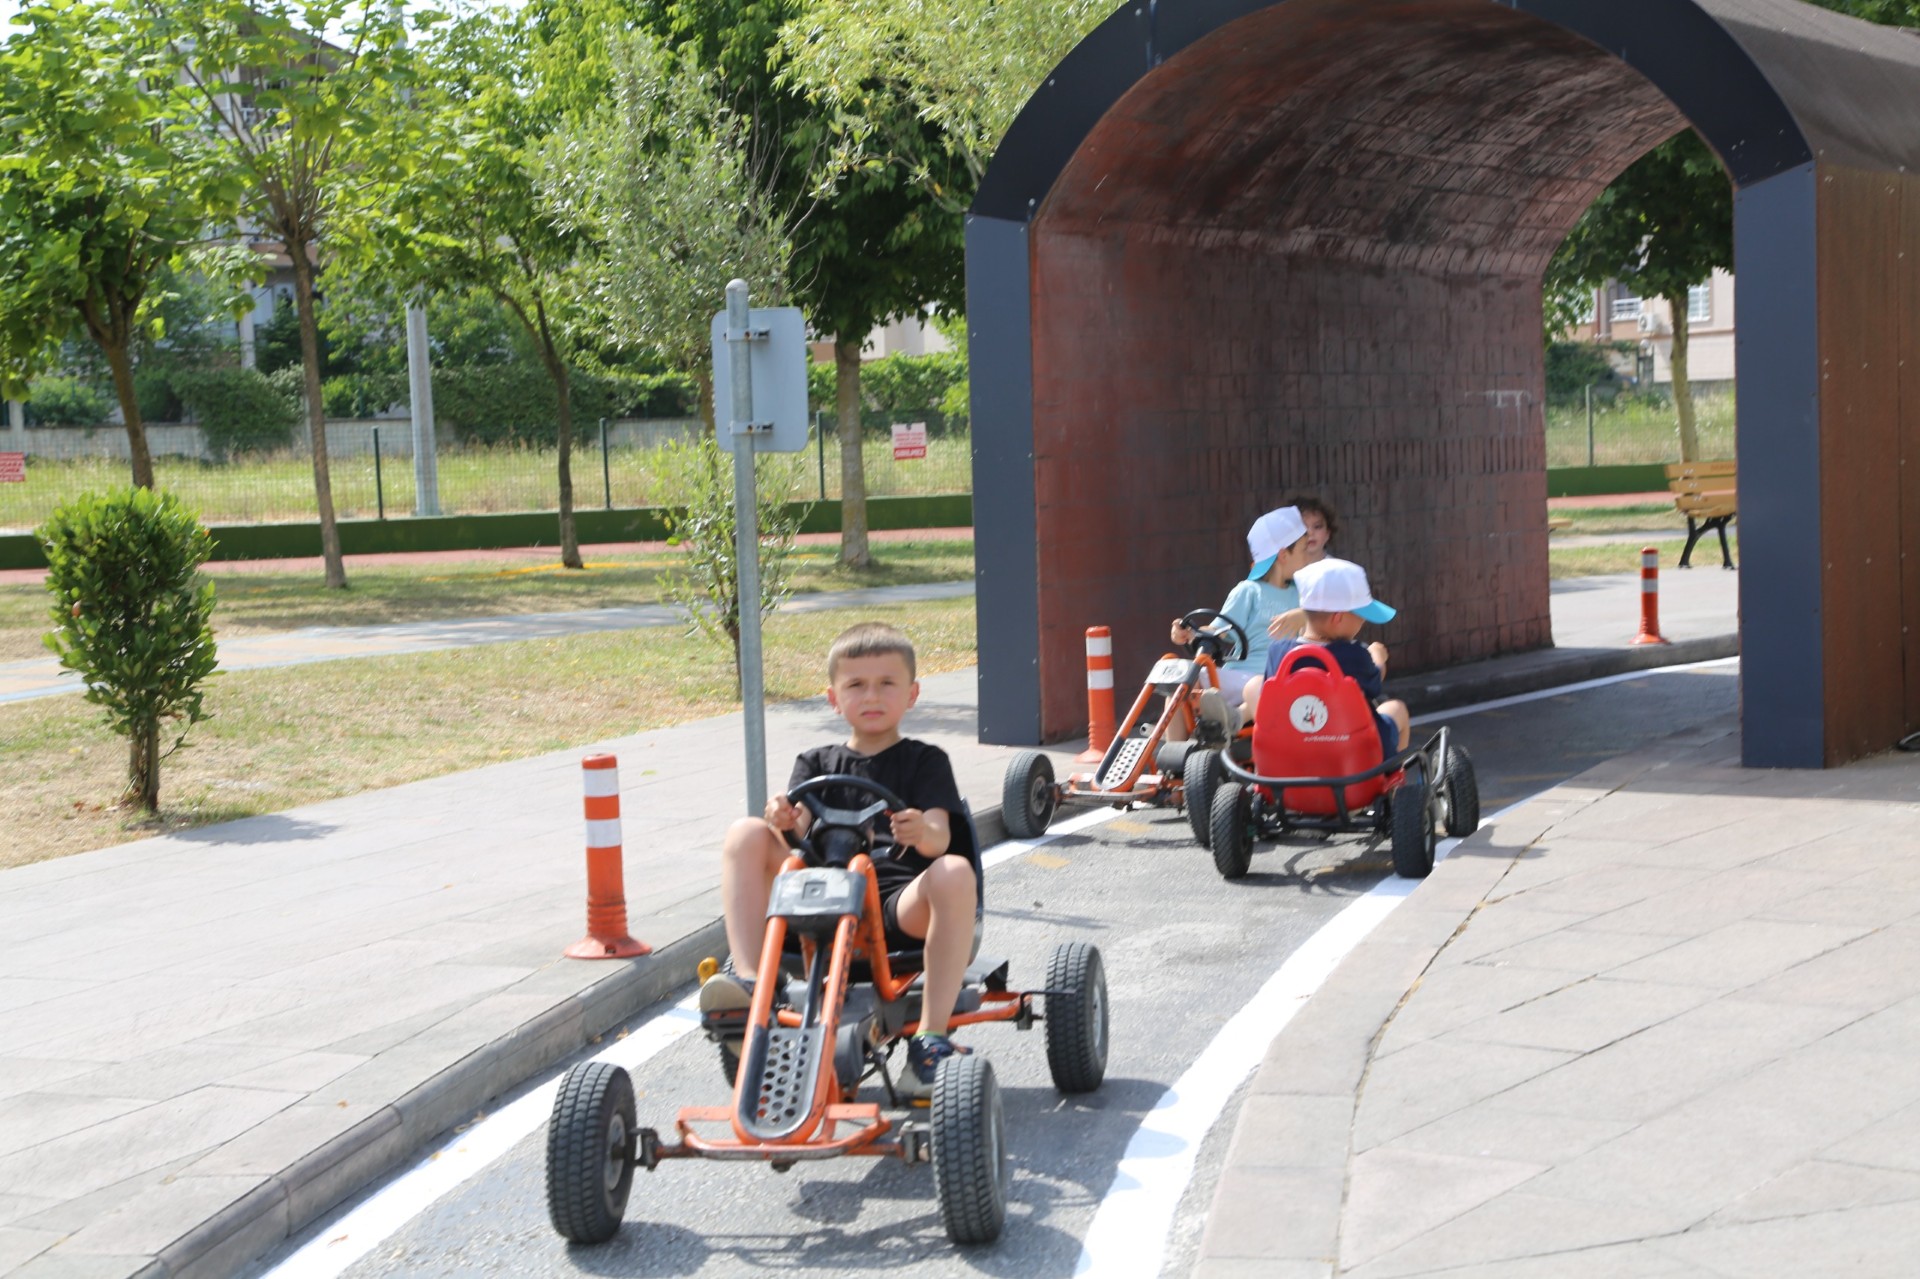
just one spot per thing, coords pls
(1313, 721)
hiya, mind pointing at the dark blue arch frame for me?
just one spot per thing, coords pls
(1695, 62)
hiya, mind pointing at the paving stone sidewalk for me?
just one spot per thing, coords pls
(212, 1037)
(1661, 1020)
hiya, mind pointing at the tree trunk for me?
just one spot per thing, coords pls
(854, 552)
(563, 388)
(1682, 388)
(141, 457)
(703, 385)
(143, 767)
(316, 414)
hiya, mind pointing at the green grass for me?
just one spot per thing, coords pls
(1624, 557)
(278, 487)
(1638, 432)
(251, 602)
(295, 735)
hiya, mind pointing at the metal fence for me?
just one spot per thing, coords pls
(371, 469)
(1636, 431)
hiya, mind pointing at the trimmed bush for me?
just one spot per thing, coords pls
(240, 410)
(153, 392)
(66, 401)
(900, 388)
(131, 616)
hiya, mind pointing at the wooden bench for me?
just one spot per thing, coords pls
(1706, 495)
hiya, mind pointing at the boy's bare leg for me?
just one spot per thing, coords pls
(750, 857)
(1250, 698)
(939, 906)
(1397, 712)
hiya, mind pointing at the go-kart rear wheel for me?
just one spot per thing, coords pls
(1076, 1017)
(1412, 828)
(1027, 796)
(1462, 792)
(590, 1140)
(1230, 823)
(969, 1135)
(1198, 781)
(730, 1060)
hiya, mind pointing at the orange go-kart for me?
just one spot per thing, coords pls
(811, 1040)
(1319, 767)
(1143, 764)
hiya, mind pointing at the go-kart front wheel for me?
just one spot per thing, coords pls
(969, 1137)
(590, 1152)
(1027, 796)
(1198, 781)
(1076, 1018)
(1412, 816)
(1230, 821)
(1462, 793)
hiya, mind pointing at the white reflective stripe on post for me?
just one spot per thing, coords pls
(1099, 679)
(1099, 646)
(1649, 586)
(604, 833)
(601, 782)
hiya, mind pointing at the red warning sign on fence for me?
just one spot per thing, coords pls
(13, 468)
(909, 440)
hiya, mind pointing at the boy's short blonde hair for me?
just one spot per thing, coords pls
(870, 639)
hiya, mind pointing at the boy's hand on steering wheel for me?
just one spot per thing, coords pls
(1288, 624)
(783, 814)
(1181, 634)
(910, 827)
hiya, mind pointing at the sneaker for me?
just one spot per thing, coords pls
(924, 1055)
(725, 997)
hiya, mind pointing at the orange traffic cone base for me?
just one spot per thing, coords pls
(618, 948)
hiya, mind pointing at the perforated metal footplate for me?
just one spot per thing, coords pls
(1121, 766)
(795, 1057)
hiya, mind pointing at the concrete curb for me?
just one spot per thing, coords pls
(1548, 668)
(306, 1190)
(1295, 1129)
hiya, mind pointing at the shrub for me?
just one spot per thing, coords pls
(517, 404)
(363, 394)
(66, 401)
(240, 410)
(130, 613)
(900, 388)
(1571, 367)
(153, 392)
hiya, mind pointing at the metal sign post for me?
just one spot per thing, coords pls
(773, 382)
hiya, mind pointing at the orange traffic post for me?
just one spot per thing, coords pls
(1650, 599)
(606, 878)
(1099, 694)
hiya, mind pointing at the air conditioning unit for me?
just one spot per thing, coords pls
(1649, 322)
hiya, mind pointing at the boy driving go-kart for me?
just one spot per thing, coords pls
(1329, 754)
(866, 876)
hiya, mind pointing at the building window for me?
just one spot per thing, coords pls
(1699, 303)
(1626, 308)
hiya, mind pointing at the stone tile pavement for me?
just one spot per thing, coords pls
(1660, 1020)
(208, 1039)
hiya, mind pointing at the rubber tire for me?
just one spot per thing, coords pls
(1463, 793)
(1198, 781)
(1076, 1017)
(1412, 829)
(729, 1062)
(969, 1137)
(591, 1131)
(1228, 821)
(1027, 798)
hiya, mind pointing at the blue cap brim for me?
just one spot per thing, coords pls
(1258, 572)
(1375, 612)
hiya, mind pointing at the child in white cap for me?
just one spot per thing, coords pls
(1263, 605)
(1338, 602)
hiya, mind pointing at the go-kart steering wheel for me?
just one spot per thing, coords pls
(837, 834)
(1214, 642)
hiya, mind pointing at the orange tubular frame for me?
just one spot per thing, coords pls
(820, 1138)
(1080, 785)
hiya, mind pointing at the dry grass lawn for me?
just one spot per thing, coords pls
(293, 735)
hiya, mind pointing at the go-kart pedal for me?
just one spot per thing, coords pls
(1121, 765)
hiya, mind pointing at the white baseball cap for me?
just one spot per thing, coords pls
(1339, 586)
(1271, 534)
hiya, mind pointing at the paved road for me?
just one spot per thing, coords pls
(1184, 950)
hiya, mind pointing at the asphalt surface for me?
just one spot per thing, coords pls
(1184, 950)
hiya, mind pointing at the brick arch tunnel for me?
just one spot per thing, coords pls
(1232, 249)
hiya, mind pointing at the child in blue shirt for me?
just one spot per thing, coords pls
(1264, 605)
(1338, 602)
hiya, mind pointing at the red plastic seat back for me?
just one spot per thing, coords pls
(1313, 721)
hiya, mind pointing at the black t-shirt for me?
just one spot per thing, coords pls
(919, 773)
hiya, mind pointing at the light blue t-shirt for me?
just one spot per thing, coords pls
(1253, 605)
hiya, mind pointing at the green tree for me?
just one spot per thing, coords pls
(1662, 226)
(294, 94)
(662, 178)
(107, 189)
(470, 209)
(131, 616)
(869, 242)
